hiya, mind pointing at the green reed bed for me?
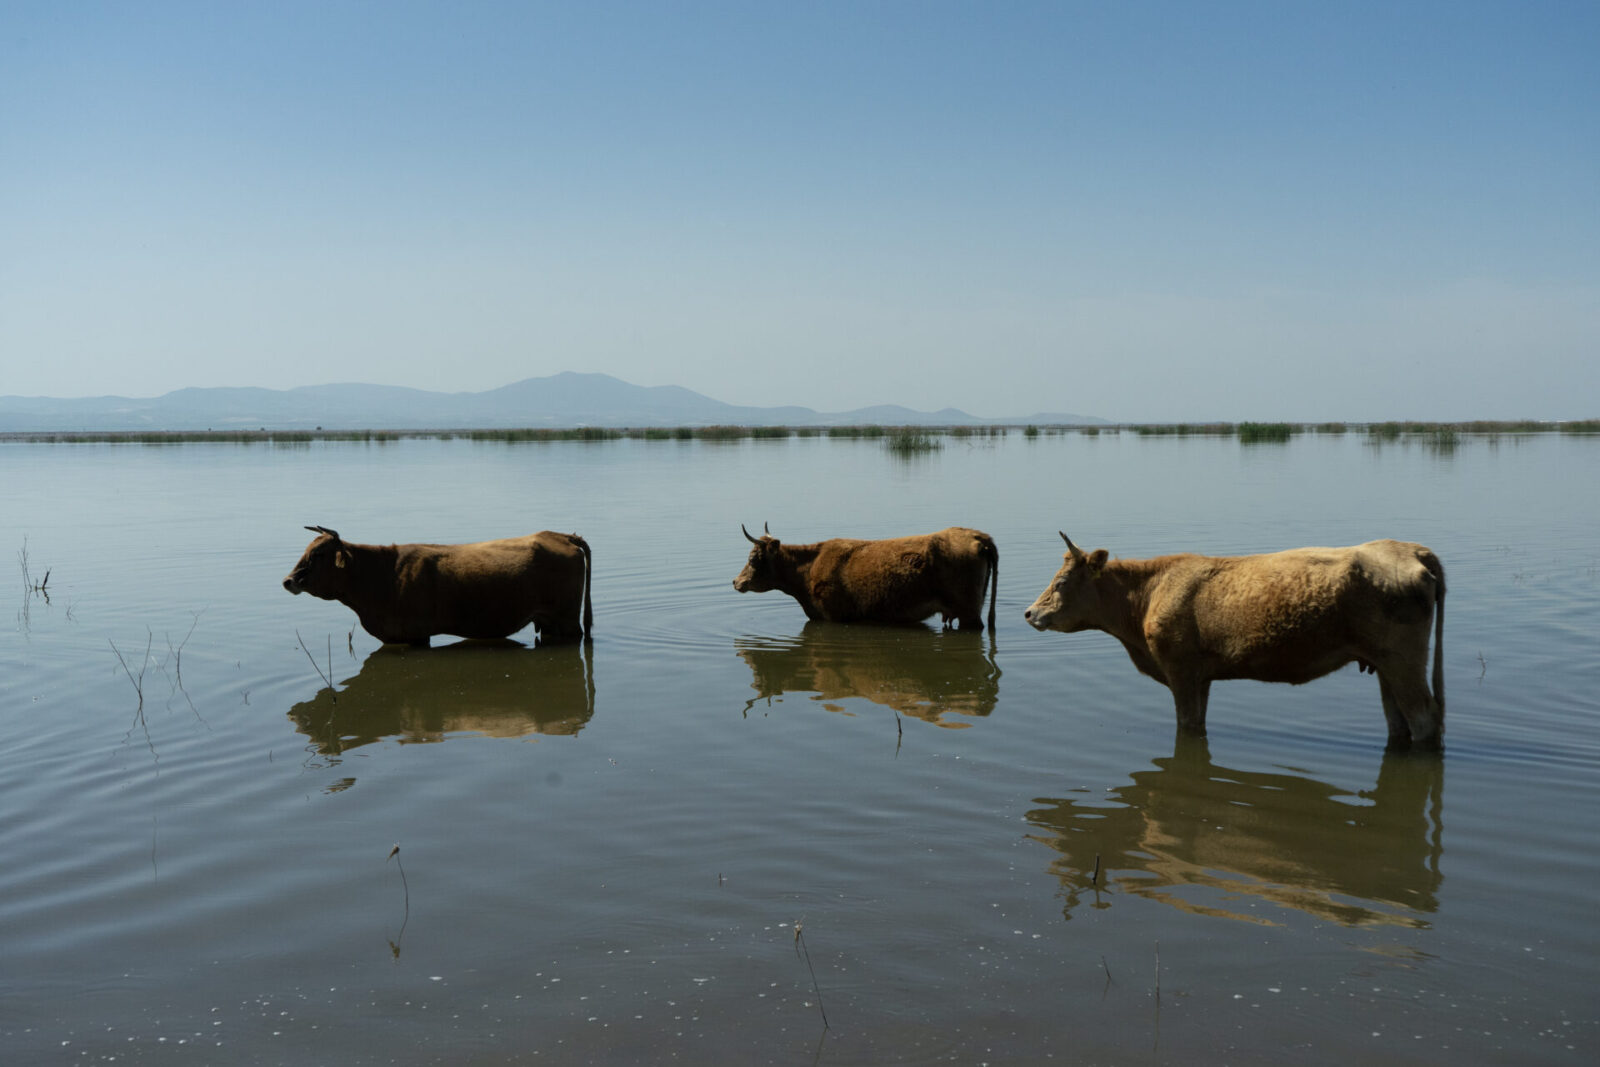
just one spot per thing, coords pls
(537, 434)
(722, 433)
(1184, 429)
(1517, 426)
(1266, 432)
(189, 437)
(911, 441)
(1434, 434)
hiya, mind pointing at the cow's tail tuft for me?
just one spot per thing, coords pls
(1437, 570)
(588, 577)
(992, 555)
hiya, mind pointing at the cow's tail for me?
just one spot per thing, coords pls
(991, 555)
(1435, 568)
(588, 575)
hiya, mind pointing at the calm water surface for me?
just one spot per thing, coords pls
(696, 837)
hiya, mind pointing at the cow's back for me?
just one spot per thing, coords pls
(491, 589)
(1290, 616)
(902, 578)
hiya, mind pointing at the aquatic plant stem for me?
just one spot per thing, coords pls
(800, 946)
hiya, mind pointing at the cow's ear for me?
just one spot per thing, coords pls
(340, 558)
(1097, 560)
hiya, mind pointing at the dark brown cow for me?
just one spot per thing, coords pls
(405, 594)
(898, 580)
(1293, 616)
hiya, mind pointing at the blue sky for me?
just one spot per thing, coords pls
(1139, 211)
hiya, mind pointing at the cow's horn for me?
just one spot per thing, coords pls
(1074, 549)
(747, 536)
(324, 530)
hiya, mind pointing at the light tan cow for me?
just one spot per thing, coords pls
(1293, 616)
(896, 580)
(405, 594)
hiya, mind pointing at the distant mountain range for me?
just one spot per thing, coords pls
(559, 401)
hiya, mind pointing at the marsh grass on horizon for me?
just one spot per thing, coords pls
(1245, 432)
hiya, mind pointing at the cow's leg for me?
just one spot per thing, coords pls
(1410, 693)
(552, 630)
(1190, 697)
(1399, 728)
(965, 601)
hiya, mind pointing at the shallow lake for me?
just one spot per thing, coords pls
(720, 834)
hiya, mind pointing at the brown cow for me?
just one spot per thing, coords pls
(1188, 621)
(404, 594)
(898, 580)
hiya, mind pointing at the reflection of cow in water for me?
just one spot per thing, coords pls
(916, 672)
(499, 690)
(1195, 835)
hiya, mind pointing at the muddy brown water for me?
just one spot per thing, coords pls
(694, 837)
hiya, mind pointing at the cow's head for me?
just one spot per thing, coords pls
(322, 567)
(760, 570)
(1070, 600)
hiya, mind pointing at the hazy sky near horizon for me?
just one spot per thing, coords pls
(1140, 211)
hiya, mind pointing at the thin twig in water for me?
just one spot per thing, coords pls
(28, 583)
(316, 666)
(800, 945)
(394, 946)
(176, 656)
(1155, 1035)
(30, 587)
(1094, 879)
(138, 683)
(138, 688)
